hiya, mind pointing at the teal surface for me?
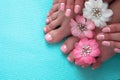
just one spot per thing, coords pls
(24, 54)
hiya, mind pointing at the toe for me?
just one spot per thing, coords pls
(57, 35)
(68, 45)
(97, 64)
(70, 57)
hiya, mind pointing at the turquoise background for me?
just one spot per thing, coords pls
(24, 54)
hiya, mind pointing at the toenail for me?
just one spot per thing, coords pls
(77, 9)
(107, 29)
(62, 6)
(64, 48)
(48, 37)
(106, 43)
(117, 50)
(47, 20)
(100, 37)
(69, 59)
(68, 12)
(45, 29)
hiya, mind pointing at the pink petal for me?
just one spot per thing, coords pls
(88, 59)
(80, 19)
(84, 41)
(75, 32)
(95, 53)
(93, 44)
(76, 54)
(73, 23)
(88, 34)
(90, 25)
(79, 62)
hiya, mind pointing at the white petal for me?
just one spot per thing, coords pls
(107, 13)
(104, 6)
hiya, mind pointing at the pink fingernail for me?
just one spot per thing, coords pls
(48, 37)
(117, 50)
(62, 6)
(77, 9)
(47, 20)
(100, 37)
(68, 12)
(107, 29)
(45, 30)
(69, 59)
(106, 43)
(64, 48)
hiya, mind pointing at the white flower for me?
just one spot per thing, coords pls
(98, 12)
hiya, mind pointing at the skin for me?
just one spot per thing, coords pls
(65, 31)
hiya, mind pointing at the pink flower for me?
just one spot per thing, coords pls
(82, 28)
(85, 51)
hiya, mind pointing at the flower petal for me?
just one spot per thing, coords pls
(90, 25)
(88, 59)
(80, 19)
(88, 34)
(95, 52)
(73, 23)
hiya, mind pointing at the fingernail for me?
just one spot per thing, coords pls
(64, 48)
(107, 29)
(100, 37)
(106, 43)
(77, 9)
(48, 14)
(117, 50)
(47, 20)
(62, 6)
(48, 37)
(69, 59)
(68, 12)
(45, 30)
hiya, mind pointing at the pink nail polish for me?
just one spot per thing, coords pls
(48, 37)
(45, 30)
(107, 29)
(77, 9)
(100, 37)
(62, 6)
(117, 50)
(47, 20)
(68, 12)
(64, 48)
(106, 43)
(69, 59)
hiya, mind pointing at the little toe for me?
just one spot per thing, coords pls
(68, 45)
(57, 35)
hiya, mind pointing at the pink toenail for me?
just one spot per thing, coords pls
(68, 12)
(117, 50)
(77, 9)
(100, 37)
(64, 48)
(107, 29)
(106, 43)
(47, 20)
(62, 6)
(48, 37)
(69, 59)
(45, 30)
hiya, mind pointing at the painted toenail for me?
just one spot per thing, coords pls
(100, 37)
(47, 20)
(69, 59)
(64, 48)
(68, 12)
(77, 9)
(45, 29)
(62, 6)
(117, 50)
(107, 29)
(48, 37)
(106, 43)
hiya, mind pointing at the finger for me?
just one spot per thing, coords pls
(112, 28)
(78, 6)
(69, 7)
(117, 50)
(52, 17)
(53, 9)
(110, 37)
(62, 4)
(111, 43)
